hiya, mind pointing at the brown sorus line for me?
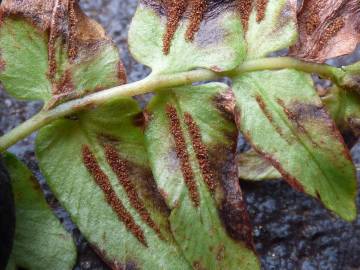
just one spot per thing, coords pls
(260, 9)
(182, 154)
(174, 11)
(72, 50)
(331, 31)
(103, 182)
(201, 152)
(120, 168)
(198, 9)
(244, 7)
(65, 85)
(52, 39)
(313, 17)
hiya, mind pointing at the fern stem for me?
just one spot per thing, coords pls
(277, 63)
(158, 82)
(146, 85)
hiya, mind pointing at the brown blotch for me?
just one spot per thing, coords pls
(65, 85)
(201, 152)
(233, 212)
(174, 12)
(182, 154)
(198, 9)
(244, 7)
(139, 120)
(120, 168)
(261, 9)
(112, 199)
(331, 31)
(225, 103)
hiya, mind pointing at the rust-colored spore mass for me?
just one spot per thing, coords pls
(331, 32)
(201, 152)
(120, 168)
(72, 50)
(198, 9)
(103, 182)
(54, 33)
(261, 9)
(65, 85)
(174, 12)
(312, 19)
(244, 7)
(182, 154)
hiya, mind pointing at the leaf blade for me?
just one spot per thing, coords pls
(191, 145)
(216, 39)
(40, 240)
(292, 130)
(327, 29)
(114, 200)
(51, 49)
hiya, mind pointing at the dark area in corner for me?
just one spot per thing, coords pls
(7, 216)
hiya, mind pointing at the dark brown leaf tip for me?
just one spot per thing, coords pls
(327, 29)
(102, 180)
(65, 25)
(182, 154)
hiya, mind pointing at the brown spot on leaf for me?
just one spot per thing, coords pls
(261, 6)
(182, 154)
(327, 29)
(112, 199)
(201, 152)
(120, 168)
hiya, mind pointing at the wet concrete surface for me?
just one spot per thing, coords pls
(291, 230)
